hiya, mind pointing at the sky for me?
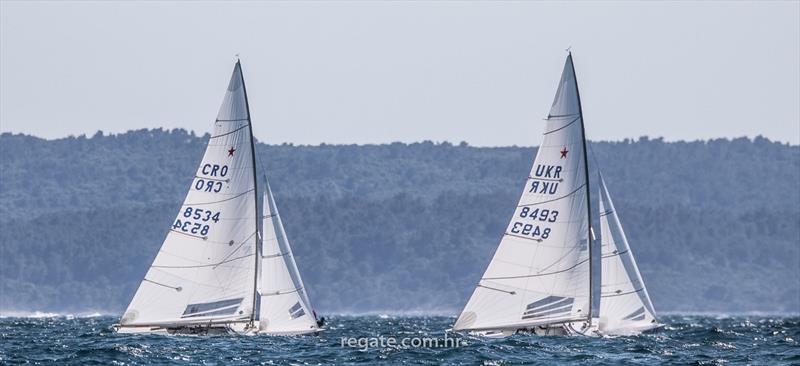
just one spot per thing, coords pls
(376, 72)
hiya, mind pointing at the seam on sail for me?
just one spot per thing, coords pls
(190, 235)
(543, 293)
(227, 199)
(240, 246)
(536, 275)
(497, 289)
(525, 237)
(563, 127)
(204, 265)
(214, 179)
(232, 120)
(567, 254)
(635, 313)
(541, 244)
(562, 115)
(606, 213)
(281, 293)
(554, 199)
(613, 254)
(274, 255)
(228, 133)
(624, 293)
(177, 288)
(546, 179)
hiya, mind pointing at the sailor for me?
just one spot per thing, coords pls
(320, 321)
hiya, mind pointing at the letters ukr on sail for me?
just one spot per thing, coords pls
(540, 278)
(540, 274)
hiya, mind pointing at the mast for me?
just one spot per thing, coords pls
(586, 175)
(255, 191)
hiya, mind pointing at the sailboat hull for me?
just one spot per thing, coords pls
(184, 330)
(576, 328)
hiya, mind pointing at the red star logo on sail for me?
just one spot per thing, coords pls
(564, 152)
(230, 152)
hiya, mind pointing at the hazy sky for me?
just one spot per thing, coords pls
(373, 72)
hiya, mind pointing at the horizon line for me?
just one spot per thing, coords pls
(193, 133)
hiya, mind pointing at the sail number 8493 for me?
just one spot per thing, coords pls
(537, 214)
(529, 229)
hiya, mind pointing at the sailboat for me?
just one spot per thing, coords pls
(540, 278)
(223, 267)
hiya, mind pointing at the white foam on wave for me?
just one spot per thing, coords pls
(383, 314)
(47, 314)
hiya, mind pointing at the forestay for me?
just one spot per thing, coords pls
(284, 305)
(205, 269)
(625, 306)
(540, 271)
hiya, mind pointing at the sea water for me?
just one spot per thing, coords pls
(699, 340)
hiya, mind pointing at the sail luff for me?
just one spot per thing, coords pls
(588, 191)
(255, 191)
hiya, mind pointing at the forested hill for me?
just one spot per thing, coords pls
(715, 225)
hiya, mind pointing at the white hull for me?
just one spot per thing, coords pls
(578, 328)
(186, 329)
(566, 329)
(201, 329)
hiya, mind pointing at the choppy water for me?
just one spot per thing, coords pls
(686, 340)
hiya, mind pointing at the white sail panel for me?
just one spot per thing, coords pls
(205, 269)
(540, 271)
(625, 306)
(284, 305)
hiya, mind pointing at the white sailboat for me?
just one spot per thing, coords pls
(540, 278)
(210, 276)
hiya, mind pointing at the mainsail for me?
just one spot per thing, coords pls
(204, 272)
(284, 304)
(540, 273)
(625, 306)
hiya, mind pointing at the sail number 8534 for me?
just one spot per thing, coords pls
(199, 214)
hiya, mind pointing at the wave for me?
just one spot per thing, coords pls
(47, 314)
(731, 314)
(393, 313)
